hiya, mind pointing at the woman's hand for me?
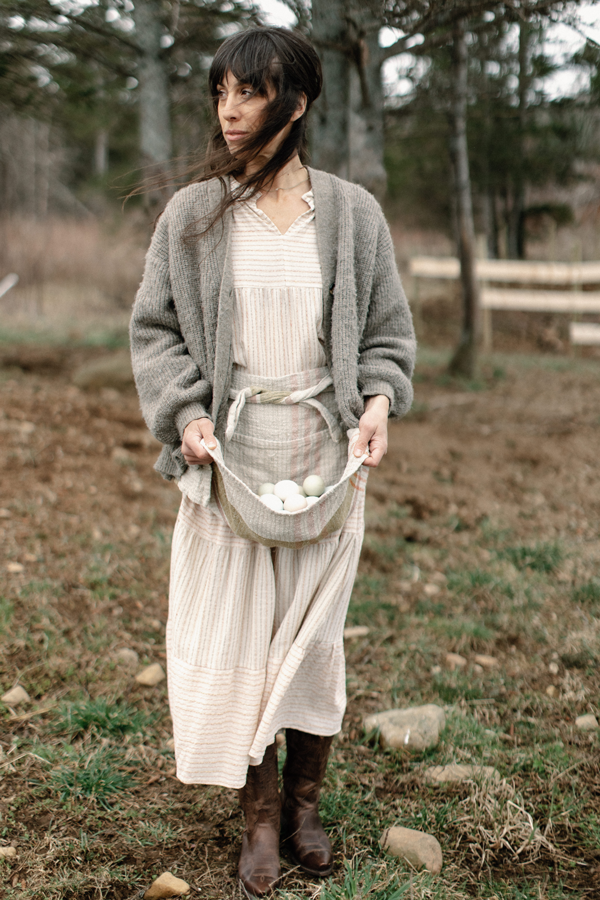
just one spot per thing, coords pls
(372, 430)
(191, 446)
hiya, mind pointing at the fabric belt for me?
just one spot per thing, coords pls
(286, 398)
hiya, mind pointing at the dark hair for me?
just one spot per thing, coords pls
(268, 60)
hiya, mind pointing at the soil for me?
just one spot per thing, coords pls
(512, 458)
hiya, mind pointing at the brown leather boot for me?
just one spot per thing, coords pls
(259, 868)
(303, 774)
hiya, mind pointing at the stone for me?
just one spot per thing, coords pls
(151, 675)
(4, 513)
(485, 661)
(419, 849)
(166, 885)
(553, 668)
(15, 568)
(112, 371)
(430, 590)
(455, 661)
(356, 631)
(8, 852)
(127, 657)
(551, 690)
(588, 722)
(15, 696)
(478, 670)
(456, 773)
(415, 728)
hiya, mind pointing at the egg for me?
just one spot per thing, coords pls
(294, 503)
(272, 502)
(266, 488)
(283, 489)
(310, 501)
(313, 486)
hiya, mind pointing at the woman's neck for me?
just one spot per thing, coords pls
(293, 174)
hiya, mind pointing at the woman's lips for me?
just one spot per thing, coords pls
(234, 135)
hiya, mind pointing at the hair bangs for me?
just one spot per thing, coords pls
(252, 60)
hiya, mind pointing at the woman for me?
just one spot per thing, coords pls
(265, 277)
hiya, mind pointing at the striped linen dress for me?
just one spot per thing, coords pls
(255, 634)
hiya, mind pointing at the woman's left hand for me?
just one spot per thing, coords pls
(372, 430)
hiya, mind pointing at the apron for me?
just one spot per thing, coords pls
(267, 440)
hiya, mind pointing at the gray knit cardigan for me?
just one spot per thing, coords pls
(181, 326)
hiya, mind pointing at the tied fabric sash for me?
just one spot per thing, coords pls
(260, 395)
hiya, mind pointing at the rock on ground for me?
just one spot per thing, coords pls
(8, 852)
(455, 661)
(356, 631)
(421, 850)
(584, 723)
(485, 661)
(16, 695)
(110, 372)
(151, 675)
(457, 773)
(166, 885)
(415, 728)
(127, 657)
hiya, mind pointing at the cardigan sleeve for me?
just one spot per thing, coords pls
(171, 388)
(388, 345)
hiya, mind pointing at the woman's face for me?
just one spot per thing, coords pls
(240, 113)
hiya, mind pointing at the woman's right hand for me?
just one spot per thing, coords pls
(191, 446)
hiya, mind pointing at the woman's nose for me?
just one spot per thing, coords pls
(231, 108)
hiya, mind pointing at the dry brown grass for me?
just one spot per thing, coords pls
(71, 271)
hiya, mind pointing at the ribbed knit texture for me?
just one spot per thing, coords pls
(181, 326)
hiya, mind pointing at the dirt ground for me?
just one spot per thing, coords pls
(482, 538)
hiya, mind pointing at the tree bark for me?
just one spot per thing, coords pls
(516, 214)
(367, 116)
(330, 126)
(464, 361)
(154, 98)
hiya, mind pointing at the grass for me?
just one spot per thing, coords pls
(101, 717)
(89, 796)
(94, 777)
(543, 557)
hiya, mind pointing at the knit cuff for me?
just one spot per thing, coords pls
(187, 414)
(372, 386)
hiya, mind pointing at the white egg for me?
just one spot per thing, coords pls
(310, 501)
(283, 489)
(266, 488)
(272, 502)
(314, 486)
(294, 503)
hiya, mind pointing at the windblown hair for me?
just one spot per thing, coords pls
(271, 61)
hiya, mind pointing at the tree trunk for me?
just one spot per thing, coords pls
(330, 126)
(154, 98)
(366, 117)
(516, 215)
(464, 361)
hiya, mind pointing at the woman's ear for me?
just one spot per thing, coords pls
(300, 109)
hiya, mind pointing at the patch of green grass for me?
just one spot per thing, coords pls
(95, 777)
(455, 686)
(587, 594)
(102, 717)
(471, 580)
(471, 631)
(6, 613)
(542, 557)
(367, 878)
